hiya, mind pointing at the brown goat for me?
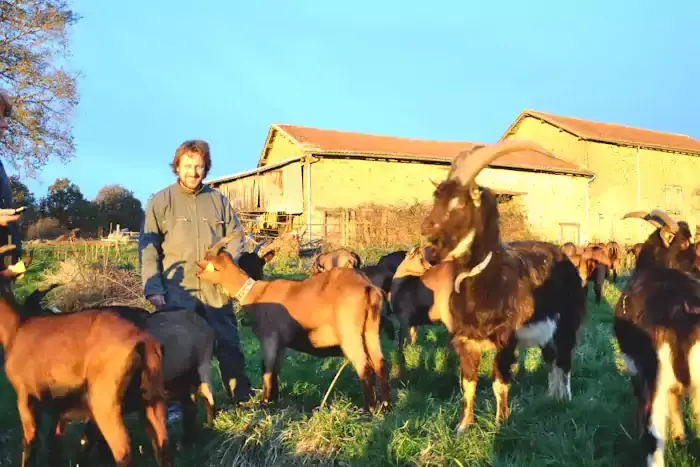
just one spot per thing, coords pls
(333, 313)
(503, 297)
(82, 366)
(340, 258)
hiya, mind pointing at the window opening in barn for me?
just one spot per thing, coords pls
(569, 232)
(695, 200)
(673, 195)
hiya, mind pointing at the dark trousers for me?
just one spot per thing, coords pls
(228, 351)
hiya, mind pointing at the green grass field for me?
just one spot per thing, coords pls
(595, 429)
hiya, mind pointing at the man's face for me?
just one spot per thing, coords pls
(190, 171)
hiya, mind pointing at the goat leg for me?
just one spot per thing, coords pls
(353, 348)
(505, 358)
(676, 415)
(413, 333)
(403, 327)
(189, 418)
(204, 391)
(27, 416)
(378, 364)
(58, 429)
(154, 413)
(107, 411)
(469, 358)
(272, 359)
(89, 440)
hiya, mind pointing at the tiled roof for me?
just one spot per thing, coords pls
(334, 142)
(614, 133)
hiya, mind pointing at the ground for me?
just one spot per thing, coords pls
(595, 429)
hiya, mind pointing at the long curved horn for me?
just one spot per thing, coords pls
(646, 216)
(661, 214)
(214, 249)
(469, 163)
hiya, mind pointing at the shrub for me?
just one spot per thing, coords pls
(47, 228)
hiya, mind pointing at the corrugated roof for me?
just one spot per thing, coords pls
(614, 133)
(265, 168)
(346, 143)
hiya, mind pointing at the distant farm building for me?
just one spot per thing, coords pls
(321, 181)
(635, 169)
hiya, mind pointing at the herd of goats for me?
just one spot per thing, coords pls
(99, 363)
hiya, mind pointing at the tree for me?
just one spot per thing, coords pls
(21, 196)
(33, 38)
(117, 205)
(66, 202)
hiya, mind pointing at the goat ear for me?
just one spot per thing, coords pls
(268, 256)
(475, 193)
(666, 236)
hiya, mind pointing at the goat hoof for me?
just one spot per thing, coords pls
(385, 407)
(678, 437)
(463, 425)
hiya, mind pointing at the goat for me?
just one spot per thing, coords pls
(420, 295)
(187, 341)
(585, 265)
(80, 366)
(340, 258)
(669, 245)
(612, 250)
(657, 327)
(333, 313)
(502, 298)
(597, 264)
(254, 262)
(569, 249)
(634, 250)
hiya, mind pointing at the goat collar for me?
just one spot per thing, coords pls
(473, 271)
(245, 288)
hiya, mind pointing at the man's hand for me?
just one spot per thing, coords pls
(7, 216)
(157, 300)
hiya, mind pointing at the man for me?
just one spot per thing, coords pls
(9, 228)
(181, 222)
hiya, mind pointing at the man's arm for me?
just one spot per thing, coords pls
(13, 228)
(151, 252)
(235, 247)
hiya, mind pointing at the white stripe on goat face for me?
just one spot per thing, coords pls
(454, 203)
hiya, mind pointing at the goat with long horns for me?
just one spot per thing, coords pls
(503, 298)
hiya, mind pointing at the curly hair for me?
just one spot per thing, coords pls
(193, 146)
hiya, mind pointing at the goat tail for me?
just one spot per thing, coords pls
(385, 324)
(152, 379)
(374, 300)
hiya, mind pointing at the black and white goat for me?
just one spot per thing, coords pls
(657, 327)
(504, 297)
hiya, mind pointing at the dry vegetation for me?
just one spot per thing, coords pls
(380, 226)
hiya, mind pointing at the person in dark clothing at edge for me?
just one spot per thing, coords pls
(9, 227)
(181, 221)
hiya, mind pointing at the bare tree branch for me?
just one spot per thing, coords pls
(33, 41)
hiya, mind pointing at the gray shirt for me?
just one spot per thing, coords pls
(178, 228)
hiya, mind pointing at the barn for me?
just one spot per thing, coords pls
(635, 169)
(324, 182)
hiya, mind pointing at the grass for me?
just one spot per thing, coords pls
(595, 429)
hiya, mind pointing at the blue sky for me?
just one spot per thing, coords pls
(158, 72)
